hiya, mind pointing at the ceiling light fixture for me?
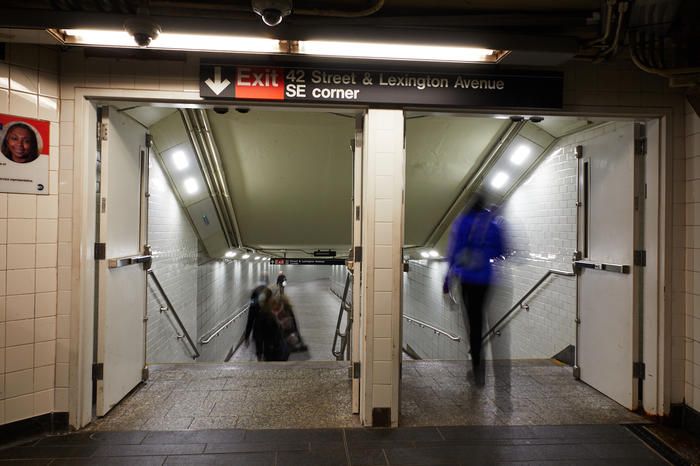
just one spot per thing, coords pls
(245, 256)
(520, 154)
(191, 185)
(180, 160)
(171, 41)
(230, 254)
(400, 51)
(433, 253)
(248, 44)
(499, 180)
(424, 254)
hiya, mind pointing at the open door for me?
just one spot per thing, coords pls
(607, 291)
(355, 347)
(123, 259)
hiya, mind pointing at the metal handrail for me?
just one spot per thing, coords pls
(420, 323)
(220, 328)
(518, 305)
(170, 307)
(344, 307)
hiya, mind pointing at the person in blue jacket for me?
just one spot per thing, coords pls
(476, 238)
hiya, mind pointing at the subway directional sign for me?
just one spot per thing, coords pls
(472, 88)
(306, 261)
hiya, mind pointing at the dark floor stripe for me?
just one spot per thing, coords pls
(658, 445)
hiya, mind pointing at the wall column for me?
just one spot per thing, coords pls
(382, 241)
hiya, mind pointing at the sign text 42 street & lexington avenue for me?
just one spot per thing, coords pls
(319, 85)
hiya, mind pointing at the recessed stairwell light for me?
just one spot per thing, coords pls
(499, 180)
(520, 154)
(180, 160)
(191, 185)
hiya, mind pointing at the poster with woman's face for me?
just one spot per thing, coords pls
(24, 159)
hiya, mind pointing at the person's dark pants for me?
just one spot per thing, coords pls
(474, 297)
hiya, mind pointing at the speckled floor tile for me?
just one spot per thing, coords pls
(317, 394)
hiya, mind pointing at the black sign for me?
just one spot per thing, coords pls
(317, 85)
(324, 253)
(307, 261)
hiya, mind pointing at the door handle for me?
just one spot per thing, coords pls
(118, 262)
(588, 264)
(146, 259)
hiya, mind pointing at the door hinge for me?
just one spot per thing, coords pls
(103, 132)
(640, 139)
(640, 258)
(638, 370)
(357, 212)
(355, 370)
(357, 254)
(98, 371)
(100, 251)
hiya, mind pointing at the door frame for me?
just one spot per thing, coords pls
(657, 328)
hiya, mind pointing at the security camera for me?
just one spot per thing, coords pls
(142, 29)
(242, 110)
(272, 11)
(221, 110)
(536, 119)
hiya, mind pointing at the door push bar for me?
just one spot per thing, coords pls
(145, 259)
(586, 264)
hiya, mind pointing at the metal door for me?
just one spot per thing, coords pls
(121, 273)
(355, 346)
(607, 297)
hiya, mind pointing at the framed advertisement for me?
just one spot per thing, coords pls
(24, 155)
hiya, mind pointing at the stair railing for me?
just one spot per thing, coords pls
(345, 307)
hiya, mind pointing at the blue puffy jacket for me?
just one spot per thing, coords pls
(475, 239)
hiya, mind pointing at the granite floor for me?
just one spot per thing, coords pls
(317, 394)
(447, 446)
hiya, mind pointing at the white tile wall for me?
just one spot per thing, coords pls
(204, 292)
(28, 87)
(689, 319)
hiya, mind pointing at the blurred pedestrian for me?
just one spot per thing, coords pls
(476, 238)
(258, 298)
(281, 281)
(283, 311)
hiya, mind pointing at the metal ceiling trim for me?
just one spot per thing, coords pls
(215, 157)
(189, 118)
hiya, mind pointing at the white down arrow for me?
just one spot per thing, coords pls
(217, 85)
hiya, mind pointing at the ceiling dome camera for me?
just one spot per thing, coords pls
(221, 110)
(272, 12)
(142, 29)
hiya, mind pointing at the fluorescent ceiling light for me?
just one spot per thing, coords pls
(166, 40)
(433, 253)
(399, 51)
(520, 154)
(191, 185)
(499, 180)
(247, 44)
(256, 258)
(230, 254)
(424, 254)
(245, 256)
(180, 160)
